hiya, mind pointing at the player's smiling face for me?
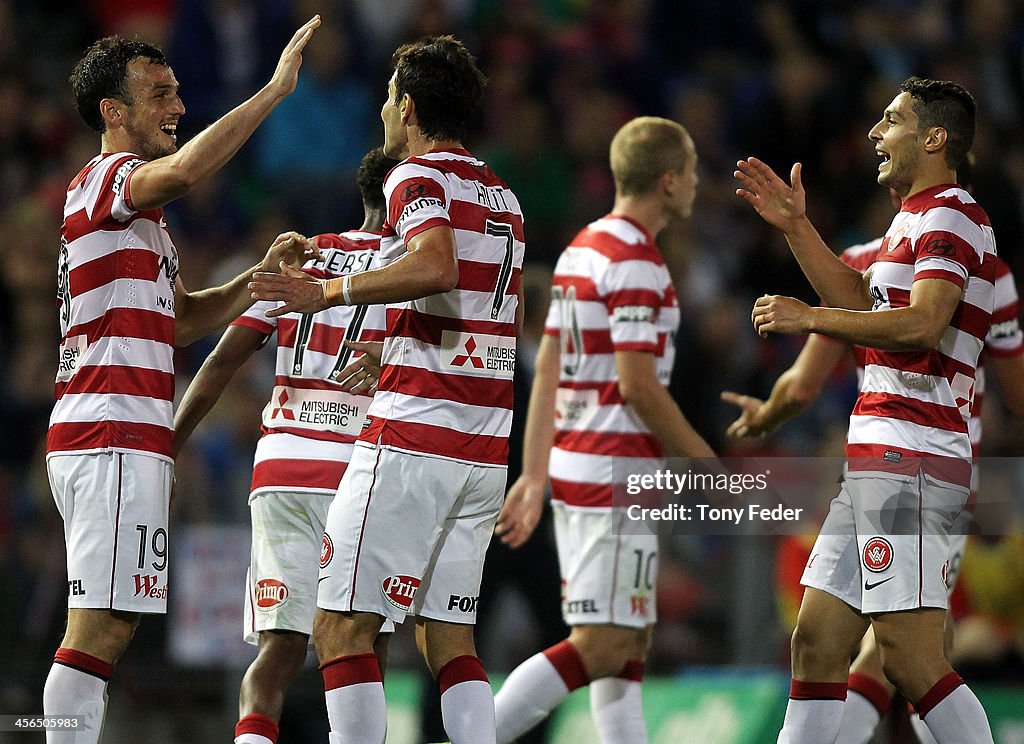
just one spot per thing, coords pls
(151, 121)
(898, 144)
(396, 139)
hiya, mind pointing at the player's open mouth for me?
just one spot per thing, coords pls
(170, 130)
(884, 156)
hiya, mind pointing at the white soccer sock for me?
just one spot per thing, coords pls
(467, 701)
(866, 703)
(924, 736)
(252, 739)
(953, 713)
(535, 688)
(814, 713)
(76, 685)
(617, 706)
(355, 700)
(256, 728)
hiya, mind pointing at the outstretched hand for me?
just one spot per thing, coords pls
(778, 314)
(778, 203)
(291, 248)
(748, 424)
(299, 292)
(286, 76)
(361, 375)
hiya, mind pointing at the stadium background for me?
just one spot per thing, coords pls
(783, 80)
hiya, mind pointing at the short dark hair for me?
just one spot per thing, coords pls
(370, 177)
(941, 103)
(441, 76)
(101, 73)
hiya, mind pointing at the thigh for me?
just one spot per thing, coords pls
(834, 566)
(609, 575)
(382, 528)
(451, 585)
(281, 584)
(903, 541)
(114, 507)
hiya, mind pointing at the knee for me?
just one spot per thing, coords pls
(812, 648)
(604, 654)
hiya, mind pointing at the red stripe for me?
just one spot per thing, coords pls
(464, 389)
(83, 662)
(922, 413)
(472, 216)
(428, 328)
(438, 440)
(972, 319)
(288, 473)
(260, 326)
(948, 276)
(608, 393)
(477, 276)
(569, 664)
(635, 296)
(586, 290)
(464, 169)
(615, 249)
(800, 690)
(1010, 311)
(119, 380)
(963, 252)
(84, 435)
(871, 457)
(125, 263)
(939, 692)
(351, 670)
(320, 436)
(458, 670)
(871, 690)
(362, 523)
(924, 362)
(1004, 353)
(309, 383)
(611, 444)
(132, 323)
(254, 723)
(581, 494)
(898, 297)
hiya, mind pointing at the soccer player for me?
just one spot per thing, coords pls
(800, 385)
(309, 427)
(123, 308)
(600, 395)
(922, 312)
(408, 529)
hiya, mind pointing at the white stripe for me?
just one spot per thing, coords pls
(142, 354)
(134, 409)
(129, 294)
(927, 388)
(285, 446)
(635, 274)
(583, 467)
(464, 304)
(889, 432)
(956, 222)
(1005, 292)
(447, 414)
(856, 251)
(980, 293)
(487, 249)
(621, 229)
(608, 419)
(142, 234)
(581, 261)
(937, 263)
(961, 346)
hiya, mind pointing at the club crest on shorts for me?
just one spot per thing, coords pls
(270, 593)
(945, 574)
(877, 554)
(400, 590)
(326, 551)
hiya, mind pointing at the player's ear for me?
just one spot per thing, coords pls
(110, 110)
(406, 108)
(935, 139)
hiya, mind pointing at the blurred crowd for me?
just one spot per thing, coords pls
(785, 80)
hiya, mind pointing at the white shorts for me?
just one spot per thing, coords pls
(609, 576)
(407, 534)
(885, 544)
(114, 506)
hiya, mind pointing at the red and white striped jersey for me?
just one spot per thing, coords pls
(915, 405)
(446, 384)
(1004, 335)
(611, 292)
(115, 295)
(310, 424)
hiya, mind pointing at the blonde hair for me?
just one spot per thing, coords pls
(645, 149)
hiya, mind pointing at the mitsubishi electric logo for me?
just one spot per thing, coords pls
(478, 354)
(460, 360)
(282, 399)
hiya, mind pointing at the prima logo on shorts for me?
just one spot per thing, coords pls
(270, 593)
(326, 551)
(400, 590)
(877, 554)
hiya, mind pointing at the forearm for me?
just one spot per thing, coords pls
(897, 329)
(200, 398)
(207, 310)
(657, 409)
(837, 284)
(414, 275)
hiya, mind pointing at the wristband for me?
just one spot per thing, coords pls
(344, 289)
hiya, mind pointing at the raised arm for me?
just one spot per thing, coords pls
(234, 348)
(161, 181)
(784, 207)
